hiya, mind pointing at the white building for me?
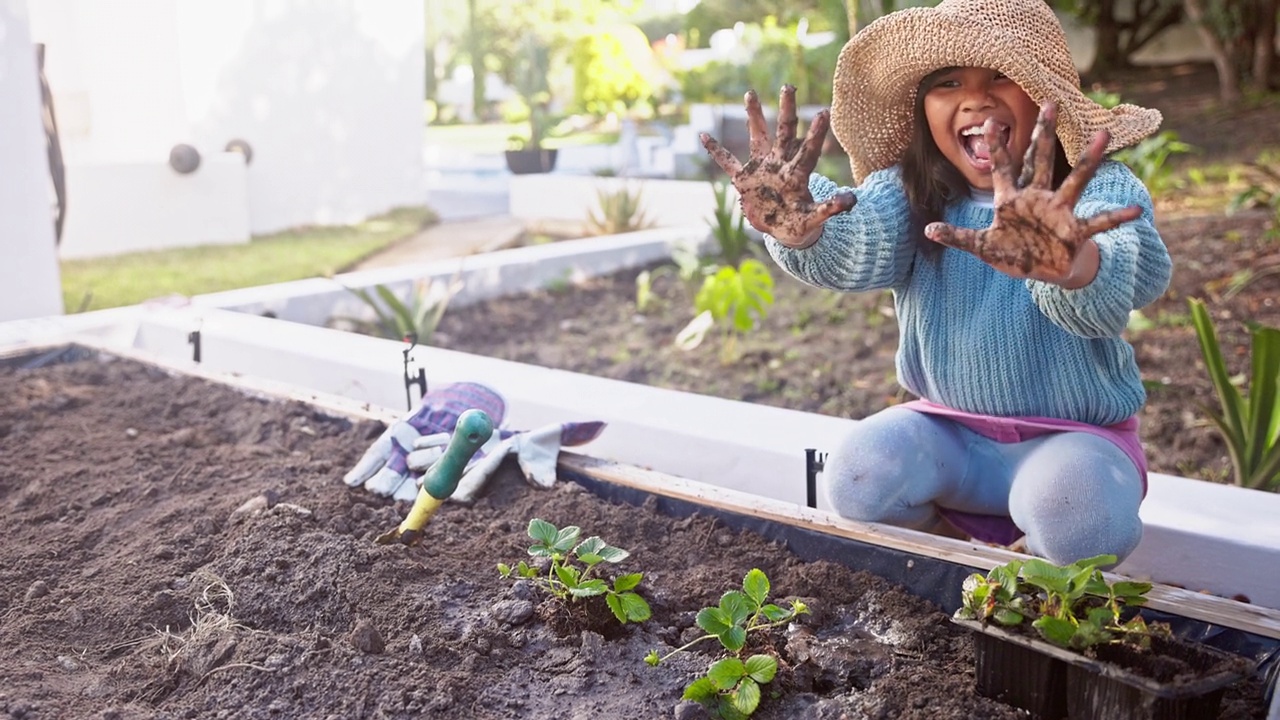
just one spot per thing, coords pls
(326, 94)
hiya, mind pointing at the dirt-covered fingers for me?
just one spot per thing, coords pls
(1002, 181)
(840, 202)
(1037, 165)
(956, 237)
(784, 145)
(1109, 220)
(1084, 170)
(722, 157)
(802, 165)
(757, 129)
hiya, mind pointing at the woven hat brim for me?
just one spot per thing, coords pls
(880, 69)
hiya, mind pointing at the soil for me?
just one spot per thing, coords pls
(177, 549)
(823, 352)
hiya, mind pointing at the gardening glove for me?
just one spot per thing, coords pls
(536, 452)
(422, 435)
(393, 466)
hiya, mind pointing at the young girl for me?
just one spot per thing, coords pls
(1013, 273)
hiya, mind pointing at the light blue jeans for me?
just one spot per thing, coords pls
(1073, 494)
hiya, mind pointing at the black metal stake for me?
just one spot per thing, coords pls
(193, 339)
(409, 381)
(813, 464)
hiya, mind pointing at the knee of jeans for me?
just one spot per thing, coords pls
(1116, 535)
(867, 474)
(1069, 516)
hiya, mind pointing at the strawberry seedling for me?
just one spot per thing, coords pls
(572, 567)
(731, 688)
(1071, 606)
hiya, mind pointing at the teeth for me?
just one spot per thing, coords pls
(975, 130)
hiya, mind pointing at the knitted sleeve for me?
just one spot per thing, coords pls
(867, 248)
(1134, 265)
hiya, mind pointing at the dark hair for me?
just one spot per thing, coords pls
(931, 181)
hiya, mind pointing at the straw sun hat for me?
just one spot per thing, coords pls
(881, 67)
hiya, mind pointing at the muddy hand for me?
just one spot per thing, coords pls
(1036, 233)
(774, 182)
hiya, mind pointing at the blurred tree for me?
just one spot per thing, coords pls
(1118, 38)
(612, 69)
(1240, 34)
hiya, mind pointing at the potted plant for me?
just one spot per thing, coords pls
(1062, 641)
(526, 155)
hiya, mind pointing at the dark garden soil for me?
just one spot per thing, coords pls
(824, 352)
(175, 549)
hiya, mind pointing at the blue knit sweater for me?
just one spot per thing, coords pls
(977, 340)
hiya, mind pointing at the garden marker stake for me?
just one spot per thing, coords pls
(473, 430)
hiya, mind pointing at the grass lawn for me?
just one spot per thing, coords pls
(97, 283)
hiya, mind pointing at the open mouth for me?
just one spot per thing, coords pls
(975, 144)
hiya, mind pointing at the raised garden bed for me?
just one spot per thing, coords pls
(178, 548)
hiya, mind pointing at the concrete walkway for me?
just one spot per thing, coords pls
(452, 238)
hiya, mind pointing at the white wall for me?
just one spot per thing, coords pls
(328, 94)
(29, 282)
(665, 203)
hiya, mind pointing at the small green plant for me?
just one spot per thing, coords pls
(728, 227)
(1250, 424)
(736, 299)
(620, 212)
(731, 687)
(1263, 190)
(416, 319)
(1148, 159)
(1072, 606)
(572, 567)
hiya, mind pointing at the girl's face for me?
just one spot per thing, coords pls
(956, 105)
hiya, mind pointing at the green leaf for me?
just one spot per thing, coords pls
(542, 531)
(1264, 400)
(1096, 561)
(747, 697)
(1128, 590)
(627, 582)
(568, 575)
(1055, 630)
(726, 710)
(634, 607)
(725, 674)
(653, 659)
(590, 560)
(612, 554)
(524, 570)
(1047, 576)
(737, 606)
(700, 690)
(615, 604)
(713, 620)
(1232, 420)
(504, 570)
(590, 588)
(566, 538)
(590, 546)
(756, 586)
(1007, 617)
(761, 668)
(733, 638)
(774, 613)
